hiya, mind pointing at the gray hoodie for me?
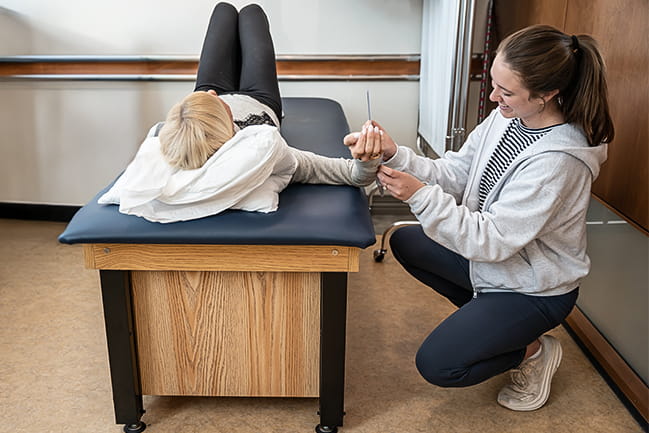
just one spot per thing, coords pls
(531, 234)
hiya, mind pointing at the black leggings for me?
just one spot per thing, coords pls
(238, 56)
(488, 334)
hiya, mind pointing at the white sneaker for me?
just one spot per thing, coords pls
(530, 387)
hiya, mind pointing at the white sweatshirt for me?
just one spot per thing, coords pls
(248, 172)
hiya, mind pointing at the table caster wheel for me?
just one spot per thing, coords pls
(379, 255)
(135, 427)
(325, 429)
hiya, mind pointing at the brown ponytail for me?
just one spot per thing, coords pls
(547, 59)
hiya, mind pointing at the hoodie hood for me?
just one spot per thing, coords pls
(568, 138)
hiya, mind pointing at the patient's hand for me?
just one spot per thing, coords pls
(367, 144)
(388, 146)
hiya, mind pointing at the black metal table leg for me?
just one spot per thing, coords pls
(120, 335)
(333, 320)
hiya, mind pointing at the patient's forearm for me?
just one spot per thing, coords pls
(312, 168)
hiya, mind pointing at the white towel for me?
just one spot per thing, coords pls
(246, 173)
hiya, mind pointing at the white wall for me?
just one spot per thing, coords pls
(63, 141)
(174, 27)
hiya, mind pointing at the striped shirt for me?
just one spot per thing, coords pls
(516, 139)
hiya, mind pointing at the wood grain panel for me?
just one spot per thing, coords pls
(341, 66)
(624, 181)
(513, 15)
(348, 67)
(89, 257)
(163, 257)
(55, 67)
(629, 382)
(227, 333)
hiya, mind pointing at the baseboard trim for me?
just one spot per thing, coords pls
(622, 376)
(38, 212)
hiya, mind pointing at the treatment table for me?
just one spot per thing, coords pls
(239, 303)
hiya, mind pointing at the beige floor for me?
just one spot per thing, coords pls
(54, 373)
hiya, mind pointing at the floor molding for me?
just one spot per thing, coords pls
(38, 212)
(630, 385)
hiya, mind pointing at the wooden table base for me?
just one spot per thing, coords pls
(225, 333)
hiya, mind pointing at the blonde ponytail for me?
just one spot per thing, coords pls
(194, 129)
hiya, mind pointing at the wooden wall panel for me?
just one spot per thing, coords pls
(622, 29)
(347, 66)
(512, 15)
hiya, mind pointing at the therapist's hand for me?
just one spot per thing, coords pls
(399, 184)
(367, 144)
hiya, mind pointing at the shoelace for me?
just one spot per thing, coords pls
(519, 376)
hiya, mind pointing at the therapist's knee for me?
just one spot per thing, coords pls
(433, 367)
(401, 242)
(396, 240)
(405, 243)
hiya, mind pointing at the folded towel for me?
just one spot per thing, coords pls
(246, 173)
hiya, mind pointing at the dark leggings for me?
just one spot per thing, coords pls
(238, 56)
(488, 334)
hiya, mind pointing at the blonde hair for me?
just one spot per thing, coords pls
(194, 129)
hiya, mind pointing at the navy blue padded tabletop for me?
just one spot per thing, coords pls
(307, 214)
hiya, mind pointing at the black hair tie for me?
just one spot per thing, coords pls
(575, 44)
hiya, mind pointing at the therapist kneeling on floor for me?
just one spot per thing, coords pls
(503, 220)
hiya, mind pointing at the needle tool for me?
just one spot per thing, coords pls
(369, 110)
(379, 186)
